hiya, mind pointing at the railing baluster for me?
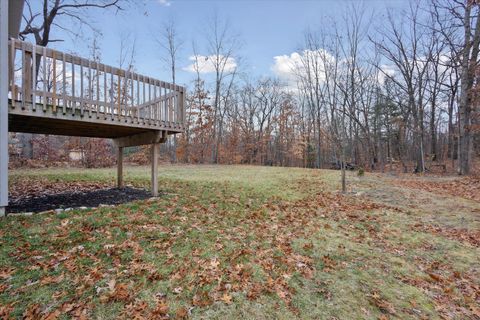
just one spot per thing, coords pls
(44, 59)
(119, 96)
(97, 75)
(175, 103)
(184, 106)
(154, 110)
(34, 78)
(74, 101)
(152, 88)
(24, 75)
(170, 106)
(64, 84)
(105, 92)
(165, 104)
(154, 104)
(149, 101)
(112, 95)
(12, 71)
(159, 104)
(160, 98)
(125, 99)
(90, 92)
(174, 125)
(172, 95)
(81, 87)
(132, 105)
(28, 76)
(144, 100)
(162, 103)
(54, 63)
(138, 98)
(177, 109)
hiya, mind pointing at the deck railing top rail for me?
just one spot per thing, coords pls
(44, 82)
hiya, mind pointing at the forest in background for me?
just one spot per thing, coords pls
(400, 92)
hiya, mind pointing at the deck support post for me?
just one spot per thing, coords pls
(155, 151)
(120, 167)
(3, 106)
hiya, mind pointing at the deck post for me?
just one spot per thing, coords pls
(120, 167)
(27, 79)
(3, 106)
(155, 151)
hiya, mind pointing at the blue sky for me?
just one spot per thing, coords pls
(266, 28)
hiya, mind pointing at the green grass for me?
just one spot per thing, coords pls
(230, 242)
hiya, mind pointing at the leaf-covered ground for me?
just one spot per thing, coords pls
(231, 242)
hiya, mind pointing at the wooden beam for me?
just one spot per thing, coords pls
(120, 167)
(3, 106)
(149, 137)
(155, 151)
(48, 123)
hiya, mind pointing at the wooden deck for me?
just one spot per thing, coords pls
(52, 92)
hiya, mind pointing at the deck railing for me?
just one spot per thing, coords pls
(50, 81)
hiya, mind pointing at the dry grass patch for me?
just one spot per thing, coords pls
(229, 242)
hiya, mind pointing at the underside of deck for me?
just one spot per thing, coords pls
(72, 127)
(93, 126)
(50, 120)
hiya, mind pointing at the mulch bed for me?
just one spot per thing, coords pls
(76, 199)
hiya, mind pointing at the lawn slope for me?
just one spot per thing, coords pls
(231, 242)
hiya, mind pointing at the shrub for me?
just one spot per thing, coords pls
(361, 172)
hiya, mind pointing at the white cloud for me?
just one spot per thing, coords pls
(165, 3)
(284, 66)
(386, 71)
(296, 66)
(206, 64)
(290, 68)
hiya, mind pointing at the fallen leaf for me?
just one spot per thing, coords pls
(227, 298)
(177, 290)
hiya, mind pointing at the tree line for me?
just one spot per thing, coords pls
(373, 91)
(397, 92)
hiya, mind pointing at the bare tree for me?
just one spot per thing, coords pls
(311, 76)
(40, 24)
(403, 45)
(40, 21)
(170, 44)
(126, 61)
(459, 23)
(222, 47)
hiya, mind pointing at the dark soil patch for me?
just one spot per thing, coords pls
(76, 199)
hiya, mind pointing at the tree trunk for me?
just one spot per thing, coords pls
(468, 67)
(433, 131)
(344, 183)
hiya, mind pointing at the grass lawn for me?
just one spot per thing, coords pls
(245, 242)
